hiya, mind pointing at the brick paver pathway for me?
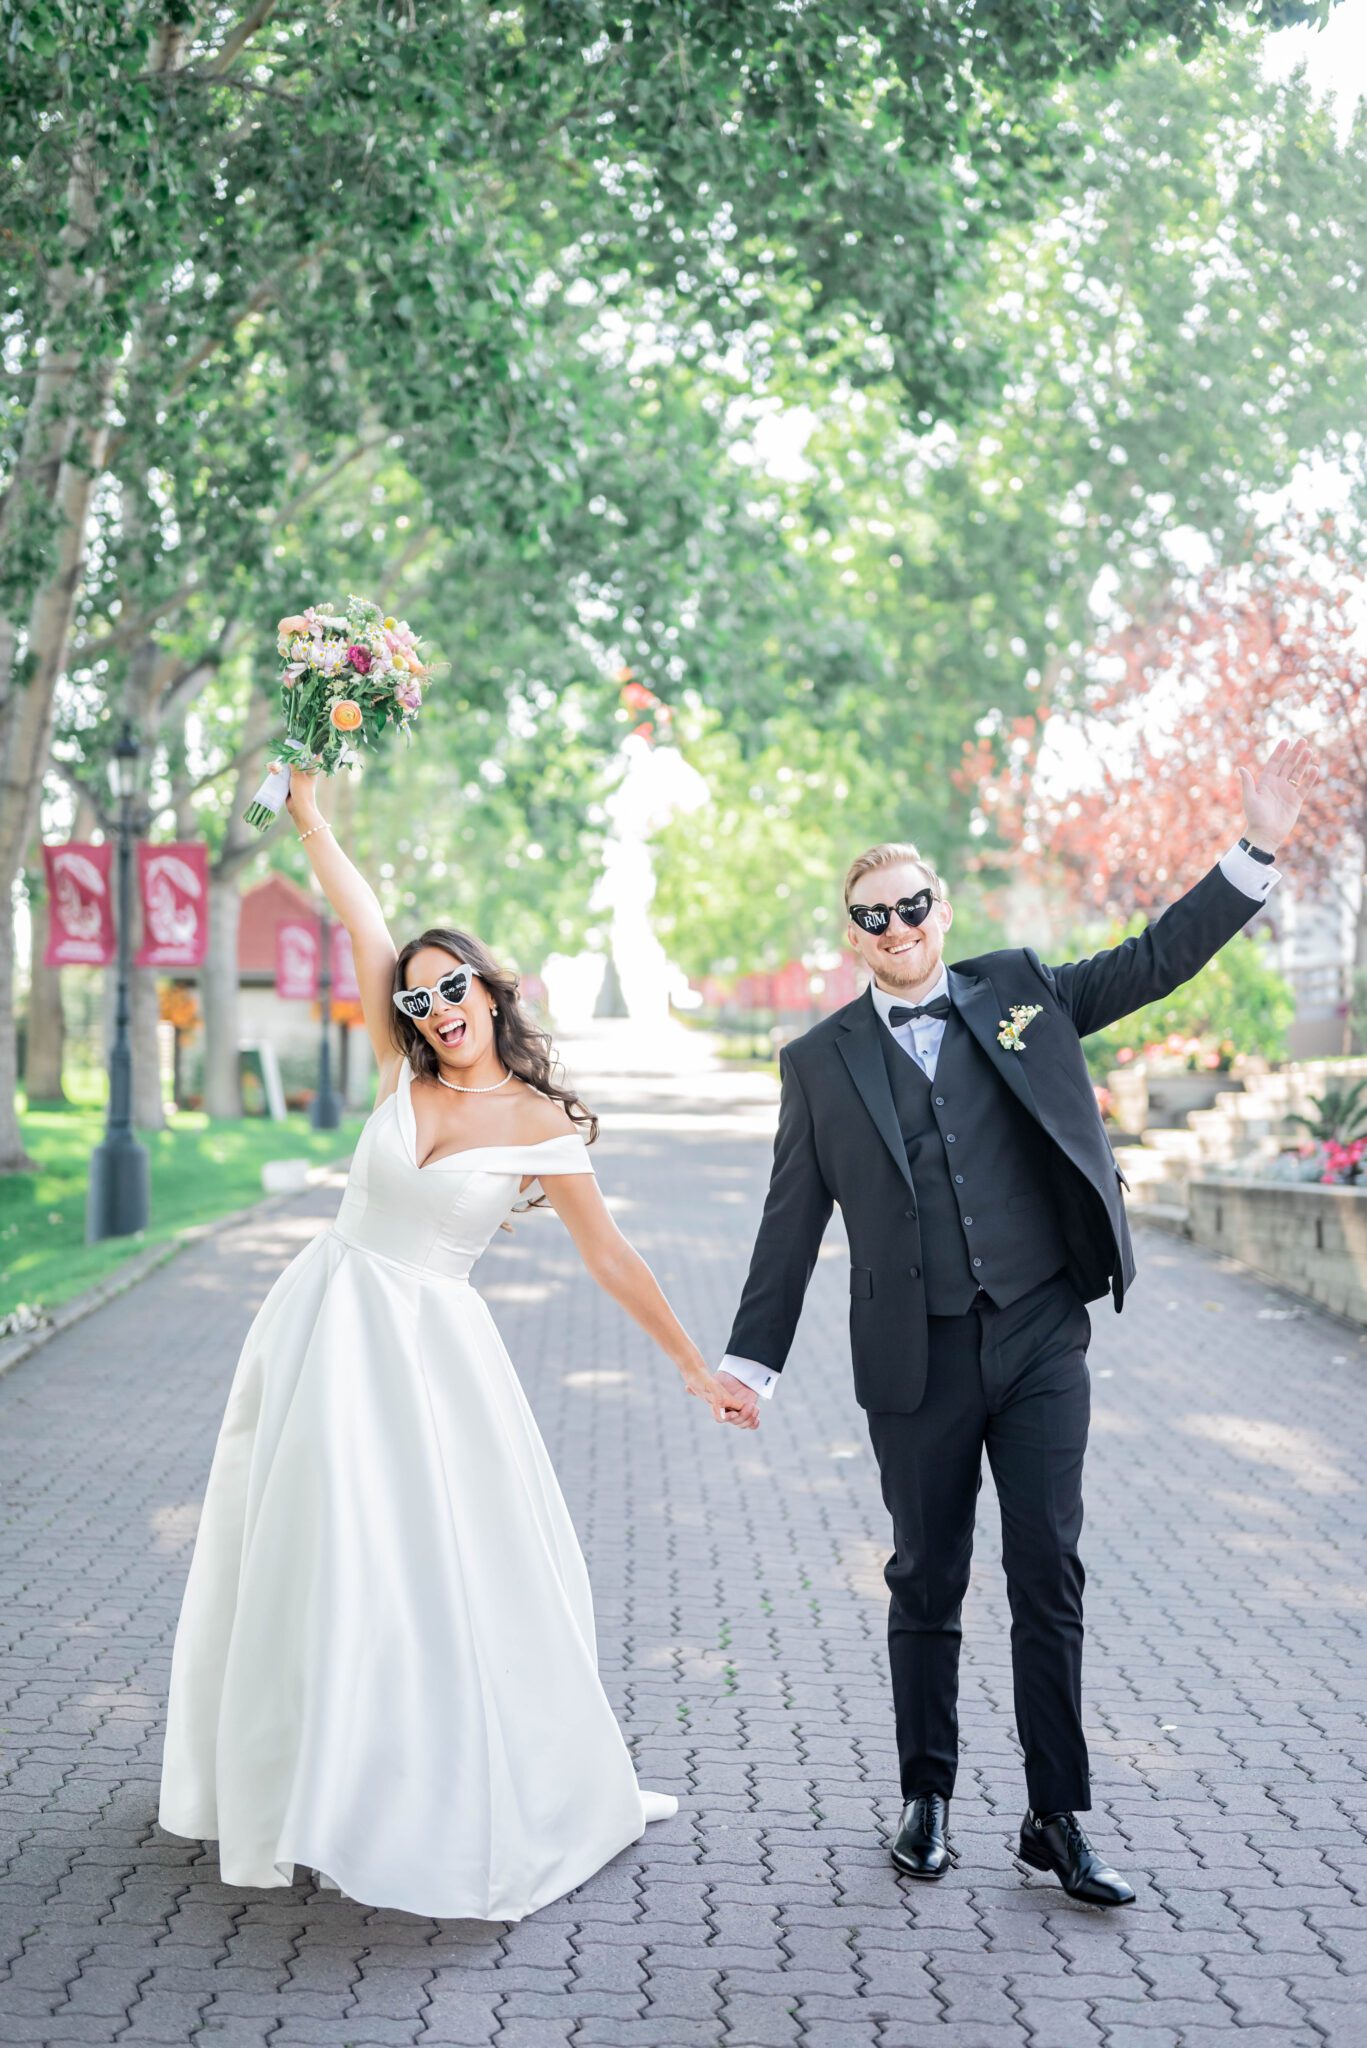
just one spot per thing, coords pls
(741, 1612)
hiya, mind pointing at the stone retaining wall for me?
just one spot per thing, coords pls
(1311, 1239)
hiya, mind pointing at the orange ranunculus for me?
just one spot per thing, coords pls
(346, 714)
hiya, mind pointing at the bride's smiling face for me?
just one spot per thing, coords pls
(459, 1033)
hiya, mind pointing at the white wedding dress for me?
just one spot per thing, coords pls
(385, 1666)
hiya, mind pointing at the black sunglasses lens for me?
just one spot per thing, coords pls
(914, 910)
(870, 917)
(453, 988)
(417, 1003)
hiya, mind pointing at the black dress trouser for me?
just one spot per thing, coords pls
(1012, 1381)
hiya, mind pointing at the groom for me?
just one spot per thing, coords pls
(950, 1114)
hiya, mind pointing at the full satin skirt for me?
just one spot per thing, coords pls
(385, 1667)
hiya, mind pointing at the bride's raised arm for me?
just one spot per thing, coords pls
(355, 903)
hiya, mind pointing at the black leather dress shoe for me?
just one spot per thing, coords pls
(920, 1849)
(1055, 1841)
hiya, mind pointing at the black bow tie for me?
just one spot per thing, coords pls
(900, 1014)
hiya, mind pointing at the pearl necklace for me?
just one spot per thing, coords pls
(487, 1089)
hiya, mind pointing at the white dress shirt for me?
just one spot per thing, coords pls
(921, 1038)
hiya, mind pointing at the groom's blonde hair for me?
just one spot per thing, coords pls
(891, 854)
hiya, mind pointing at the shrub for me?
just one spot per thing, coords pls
(1236, 1004)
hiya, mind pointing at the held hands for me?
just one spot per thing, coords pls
(727, 1398)
(1273, 799)
(743, 1401)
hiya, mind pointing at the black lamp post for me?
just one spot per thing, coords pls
(119, 1197)
(326, 1113)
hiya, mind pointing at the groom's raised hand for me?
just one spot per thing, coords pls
(1273, 798)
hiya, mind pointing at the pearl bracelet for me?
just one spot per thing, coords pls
(324, 827)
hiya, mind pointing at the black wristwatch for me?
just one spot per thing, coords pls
(1257, 852)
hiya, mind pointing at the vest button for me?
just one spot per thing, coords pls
(914, 1271)
(958, 1180)
(949, 1137)
(939, 1102)
(968, 1219)
(911, 1215)
(977, 1262)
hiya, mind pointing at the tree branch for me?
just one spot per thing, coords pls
(200, 669)
(83, 794)
(200, 355)
(286, 513)
(240, 842)
(126, 632)
(240, 37)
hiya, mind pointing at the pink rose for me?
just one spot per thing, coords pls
(360, 659)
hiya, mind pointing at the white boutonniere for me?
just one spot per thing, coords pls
(1010, 1033)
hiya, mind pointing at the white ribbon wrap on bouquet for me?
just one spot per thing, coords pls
(273, 791)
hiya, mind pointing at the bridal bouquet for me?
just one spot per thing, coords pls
(349, 677)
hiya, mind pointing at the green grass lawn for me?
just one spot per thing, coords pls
(200, 1169)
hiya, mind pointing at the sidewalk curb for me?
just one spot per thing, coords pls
(14, 1350)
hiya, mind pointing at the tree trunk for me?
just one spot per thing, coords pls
(61, 454)
(218, 997)
(45, 1039)
(26, 726)
(66, 430)
(149, 1106)
(16, 1159)
(218, 976)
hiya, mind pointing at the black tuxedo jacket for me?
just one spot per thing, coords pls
(839, 1139)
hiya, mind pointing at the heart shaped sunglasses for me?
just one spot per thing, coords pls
(876, 917)
(416, 1003)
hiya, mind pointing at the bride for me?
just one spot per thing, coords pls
(385, 1666)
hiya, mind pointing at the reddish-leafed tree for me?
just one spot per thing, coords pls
(1173, 706)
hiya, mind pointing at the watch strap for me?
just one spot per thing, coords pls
(1258, 853)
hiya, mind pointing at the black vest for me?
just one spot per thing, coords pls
(980, 1165)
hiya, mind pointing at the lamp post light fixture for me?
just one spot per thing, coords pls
(326, 1111)
(118, 1201)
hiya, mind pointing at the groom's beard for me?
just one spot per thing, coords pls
(900, 977)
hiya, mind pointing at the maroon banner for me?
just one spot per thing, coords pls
(173, 886)
(296, 960)
(345, 987)
(80, 906)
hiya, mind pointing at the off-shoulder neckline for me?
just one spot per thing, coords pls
(404, 1089)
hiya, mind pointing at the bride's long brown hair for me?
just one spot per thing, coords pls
(524, 1048)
